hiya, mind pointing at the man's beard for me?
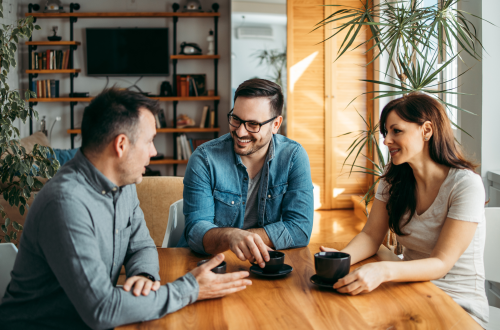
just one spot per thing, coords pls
(254, 149)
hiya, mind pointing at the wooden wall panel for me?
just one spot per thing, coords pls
(319, 90)
(346, 86)
(306, 79)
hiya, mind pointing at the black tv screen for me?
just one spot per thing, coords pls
(127, 52)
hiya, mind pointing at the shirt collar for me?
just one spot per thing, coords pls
(96, 179)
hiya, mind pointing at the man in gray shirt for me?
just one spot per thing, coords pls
(86, 223)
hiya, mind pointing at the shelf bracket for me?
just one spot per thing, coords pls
(73, 75)
(74, 47)
(73, 19)
(73, 103)
(34, 47)
(32, 104)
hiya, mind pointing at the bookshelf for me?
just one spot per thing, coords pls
(74, 72)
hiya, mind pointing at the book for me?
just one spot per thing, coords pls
(204, 116)
(47, 88)
(179, 150)
(212, 118)
(191, 145)
(163, 120)
(52, 88)
(197, 143)
(195, 88)
(186, 146)
(184, 149)
(44, 61)
(157, 120)
(57, 87)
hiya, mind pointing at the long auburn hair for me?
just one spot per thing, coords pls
(418, 108)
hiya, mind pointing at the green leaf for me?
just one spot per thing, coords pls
(7, 222)
(15, 224)
(7, 238)
(4, 229)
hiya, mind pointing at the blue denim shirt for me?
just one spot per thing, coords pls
(216, 187)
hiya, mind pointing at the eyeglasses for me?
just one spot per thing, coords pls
(250, 125)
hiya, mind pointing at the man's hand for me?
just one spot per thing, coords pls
(248, 246)
(140, 284)
(218, 285)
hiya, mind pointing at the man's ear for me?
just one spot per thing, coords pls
(277, 124)
(120, 145)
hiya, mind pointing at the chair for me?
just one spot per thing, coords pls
(156, 194)
(491, 262)
(175, 226)
(8, 253)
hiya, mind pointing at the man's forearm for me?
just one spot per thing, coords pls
(216, 240)
(262, 233)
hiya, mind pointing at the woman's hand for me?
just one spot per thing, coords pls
(364, 279)
(326, 249)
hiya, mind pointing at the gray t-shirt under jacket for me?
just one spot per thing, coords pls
(79, 232)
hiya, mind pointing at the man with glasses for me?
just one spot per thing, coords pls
(249, 191)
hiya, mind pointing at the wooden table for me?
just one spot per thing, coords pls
(293, 302)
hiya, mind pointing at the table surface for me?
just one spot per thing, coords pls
(293, 302)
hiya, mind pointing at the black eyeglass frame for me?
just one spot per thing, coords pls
(244, 122)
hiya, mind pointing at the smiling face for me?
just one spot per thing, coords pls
(139, 153)
(405, 140)
(257, 109)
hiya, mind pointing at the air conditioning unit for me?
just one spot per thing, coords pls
(248, 32)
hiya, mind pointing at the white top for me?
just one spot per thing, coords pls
(461, 197)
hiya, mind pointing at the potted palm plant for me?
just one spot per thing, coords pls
(417, 44)
(20, 168)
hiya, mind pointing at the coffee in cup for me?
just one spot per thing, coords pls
(275, 263)
(332, 266)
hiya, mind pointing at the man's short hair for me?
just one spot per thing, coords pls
(262, 88)
(111, 113)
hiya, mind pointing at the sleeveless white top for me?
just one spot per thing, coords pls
(461, 197)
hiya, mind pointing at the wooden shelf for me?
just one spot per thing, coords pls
(194, 57)
(168, 161)
(53, 43)
(118, 15)
(54, 71)
(167, 130)
(159, 98)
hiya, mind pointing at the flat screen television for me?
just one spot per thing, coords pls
(127, 52)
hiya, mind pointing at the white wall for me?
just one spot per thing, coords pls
(10, 18)
(482, 82)
(191, 30)
(244, 64)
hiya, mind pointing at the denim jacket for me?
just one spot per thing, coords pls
(216, 187)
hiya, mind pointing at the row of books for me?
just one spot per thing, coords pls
(50, 60)
(191, 85)
(186, 147)
(161, 122)
(207, 117)
(46, 88)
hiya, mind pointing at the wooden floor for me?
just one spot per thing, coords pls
(335, 226)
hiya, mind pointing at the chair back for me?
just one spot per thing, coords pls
(175, 226)
(8, 253)
(156, 194)
(492, 245)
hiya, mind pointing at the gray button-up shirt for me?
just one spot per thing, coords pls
(79, 231)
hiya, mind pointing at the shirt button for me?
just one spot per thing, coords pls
(268, 196)
(104, 192)
(243, 203)
(117, 231)
(114, 189)
(232, 202)
(114, 263)
(245, 179)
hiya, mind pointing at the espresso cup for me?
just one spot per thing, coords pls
(220, 269)
(275, 263)
(332, 266)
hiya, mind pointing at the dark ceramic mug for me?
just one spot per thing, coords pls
(275, 263)
(220, 269)
(332, 266)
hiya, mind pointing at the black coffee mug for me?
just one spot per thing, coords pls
(275, 263)
(332, 266)
(220, 269)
